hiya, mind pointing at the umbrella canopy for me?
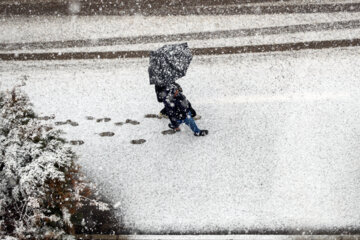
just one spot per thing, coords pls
(169, 63)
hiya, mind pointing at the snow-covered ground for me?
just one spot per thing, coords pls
(33, 29)
(220, 42)
(282, 153)
(283, 149)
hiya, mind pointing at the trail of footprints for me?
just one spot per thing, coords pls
(109, 134)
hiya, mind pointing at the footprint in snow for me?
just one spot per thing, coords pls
(133, 122)
(169, 132)
(151, 115)
(77, 142)
(103, 119)
(138, 141)
(46, 118)
(74, 124)
(60, 123)
(106, 134)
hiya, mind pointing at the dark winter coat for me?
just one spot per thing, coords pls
(192, 111)
(162, 92)
(176, 105)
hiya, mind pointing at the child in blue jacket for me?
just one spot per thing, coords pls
(177, 107)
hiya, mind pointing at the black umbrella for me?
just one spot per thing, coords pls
(169, 63)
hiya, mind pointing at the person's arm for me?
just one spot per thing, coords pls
(182, 103)
(160, 93)
(193, 112)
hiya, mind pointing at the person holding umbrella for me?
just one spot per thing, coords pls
(168, 64)
(177, 108)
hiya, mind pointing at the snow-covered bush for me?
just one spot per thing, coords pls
(40, 185)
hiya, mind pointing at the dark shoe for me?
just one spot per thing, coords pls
(202, 133)
(176, 129)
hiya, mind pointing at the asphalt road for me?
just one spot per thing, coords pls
(168, 7)
(195, 51)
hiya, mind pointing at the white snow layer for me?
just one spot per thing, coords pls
(282, 150)
(50, 28)
(222, 42)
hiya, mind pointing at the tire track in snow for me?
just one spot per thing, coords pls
(195, 51)
(326, 26)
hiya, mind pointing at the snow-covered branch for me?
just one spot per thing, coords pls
(40, 184)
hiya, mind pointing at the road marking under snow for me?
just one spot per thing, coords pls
(62, 8)
(195, 51)
(273, 30)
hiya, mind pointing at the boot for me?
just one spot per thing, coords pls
(176, 129)
(201, 133)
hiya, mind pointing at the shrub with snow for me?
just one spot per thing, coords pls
(40, 185)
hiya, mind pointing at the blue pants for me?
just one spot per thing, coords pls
(190, 122)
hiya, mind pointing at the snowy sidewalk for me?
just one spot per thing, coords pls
(283, 150)
(282, 153)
